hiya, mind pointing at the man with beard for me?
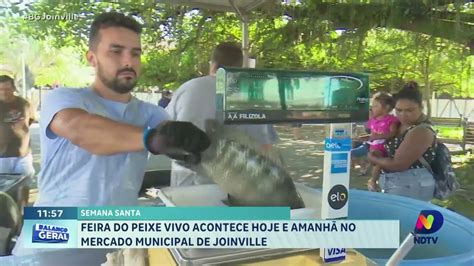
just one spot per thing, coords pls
(95, 141)
(15, 115)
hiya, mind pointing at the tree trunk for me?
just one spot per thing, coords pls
(427, 96)
(360, 50)
(426, 76)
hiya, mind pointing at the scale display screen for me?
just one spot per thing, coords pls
(261, 96)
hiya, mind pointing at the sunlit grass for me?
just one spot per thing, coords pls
(450, 132)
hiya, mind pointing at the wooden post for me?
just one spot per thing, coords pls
(464, 133)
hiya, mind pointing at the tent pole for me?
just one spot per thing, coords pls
(245, 33)
(245, 42)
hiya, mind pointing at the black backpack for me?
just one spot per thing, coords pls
(442, 169)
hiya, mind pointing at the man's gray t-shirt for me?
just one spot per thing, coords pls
(72, 176)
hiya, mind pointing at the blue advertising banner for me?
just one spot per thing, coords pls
(339, 163)
(342, 144)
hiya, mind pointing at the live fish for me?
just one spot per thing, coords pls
(249, 178)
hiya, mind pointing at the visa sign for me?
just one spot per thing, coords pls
(334, 254)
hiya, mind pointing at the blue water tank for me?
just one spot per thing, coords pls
(455, 245)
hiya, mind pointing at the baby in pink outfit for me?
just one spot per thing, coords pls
(378, 127)
(382, 126)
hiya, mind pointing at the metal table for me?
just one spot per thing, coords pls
(212, 195)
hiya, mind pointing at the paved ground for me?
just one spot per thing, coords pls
(304, 160)
(304, 157)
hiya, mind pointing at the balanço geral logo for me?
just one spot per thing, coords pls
(44, 233)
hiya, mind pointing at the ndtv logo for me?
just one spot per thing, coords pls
(428, 222)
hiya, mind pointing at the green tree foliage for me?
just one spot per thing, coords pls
(44, 63)
(428, 41)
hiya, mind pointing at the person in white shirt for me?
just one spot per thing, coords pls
(195, 101)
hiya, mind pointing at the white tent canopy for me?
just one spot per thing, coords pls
(244, 6)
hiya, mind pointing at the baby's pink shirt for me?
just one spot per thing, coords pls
(381, 126)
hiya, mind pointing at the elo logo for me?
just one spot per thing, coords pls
(337, 197)
(428, 222)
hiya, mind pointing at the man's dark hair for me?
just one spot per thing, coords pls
(5, 78)
(111, 19)
(227, 54)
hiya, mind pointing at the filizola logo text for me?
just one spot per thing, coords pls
(247, 116)
(253, 116)
(43, 233)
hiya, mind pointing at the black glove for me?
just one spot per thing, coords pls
(178, 140)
